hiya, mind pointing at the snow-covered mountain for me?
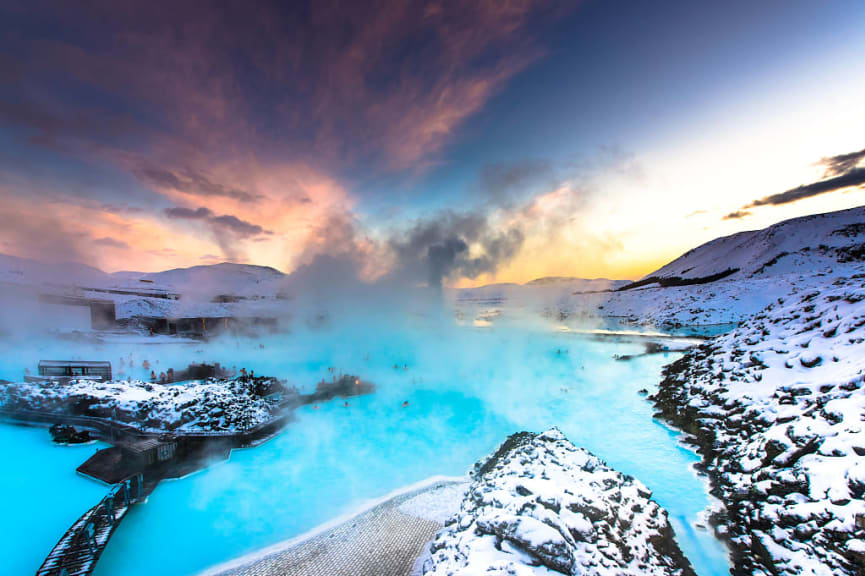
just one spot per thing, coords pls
(225, 278)
(816, 243)
(727, 280)
(23, 271)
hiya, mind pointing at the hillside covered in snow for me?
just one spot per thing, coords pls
(820, 243)
(728, 279)
(541, 506)
(778, 411)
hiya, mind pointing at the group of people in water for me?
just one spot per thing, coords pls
(404, 405)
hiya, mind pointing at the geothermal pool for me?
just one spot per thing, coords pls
(467, 388)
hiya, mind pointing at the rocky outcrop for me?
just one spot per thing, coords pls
(62, 434)
(539, 505)
(200, 405)
(776, 408)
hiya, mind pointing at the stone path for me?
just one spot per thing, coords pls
(382, 541)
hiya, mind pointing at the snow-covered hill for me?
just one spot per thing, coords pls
(777, 408)
(746, 272)
(23, 271)
(225, 278)
(825, 243)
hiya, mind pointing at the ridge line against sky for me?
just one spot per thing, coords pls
(463, 143)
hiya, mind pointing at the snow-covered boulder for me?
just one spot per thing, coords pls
(777, 409)
(539, 505)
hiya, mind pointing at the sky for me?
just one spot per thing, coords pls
(453, 142)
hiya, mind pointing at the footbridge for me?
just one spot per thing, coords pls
(80, 547)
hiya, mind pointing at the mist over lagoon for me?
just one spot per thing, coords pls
(467, 387)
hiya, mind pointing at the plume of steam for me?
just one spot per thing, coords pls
(451, 245)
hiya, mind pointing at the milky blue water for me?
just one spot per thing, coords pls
(467, 388)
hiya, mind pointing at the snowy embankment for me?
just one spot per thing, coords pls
(539, 505)
(777, 408)
(196, 406)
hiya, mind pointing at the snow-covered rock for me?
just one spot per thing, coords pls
(778, 409)
(541, 506)
(195, 406)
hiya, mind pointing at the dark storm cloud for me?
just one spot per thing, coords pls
(223, 223)
(440, 248)
(853, 177)
(236, 226)
(181, 213)
(227, 229)
(842, 163)
(842, 171)
(738, 214)
(192, 183)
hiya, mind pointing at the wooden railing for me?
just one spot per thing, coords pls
(78, 550)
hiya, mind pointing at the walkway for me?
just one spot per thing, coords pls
(383, 541)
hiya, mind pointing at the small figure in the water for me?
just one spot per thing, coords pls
(145, 365)
(396, 366)
(163, 378)
(152, 376)
(405, 404)
(315, 407)
(243, 372)
(252, 374)
(405, 366)
(346, 405)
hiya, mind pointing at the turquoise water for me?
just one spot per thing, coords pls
(467, 389)
(40, 495)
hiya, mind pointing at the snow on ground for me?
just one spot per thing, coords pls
(539, 505)
(777, 407)
(721, 302)
(193, 406)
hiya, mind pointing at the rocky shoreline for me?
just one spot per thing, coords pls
(776, 411)
(540, 505)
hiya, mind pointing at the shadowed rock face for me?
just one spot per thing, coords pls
(539, 505)
(776, 408)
